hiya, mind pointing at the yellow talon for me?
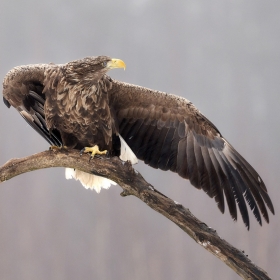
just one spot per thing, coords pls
(93, 150)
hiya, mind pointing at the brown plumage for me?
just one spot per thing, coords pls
(77, 105)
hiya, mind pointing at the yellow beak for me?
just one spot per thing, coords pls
(116, 63)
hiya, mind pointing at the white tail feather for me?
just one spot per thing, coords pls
(94, 182)
(89, 181)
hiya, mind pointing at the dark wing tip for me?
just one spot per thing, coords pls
(7, 103)
(254, 189)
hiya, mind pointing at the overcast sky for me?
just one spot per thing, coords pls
(221, 55)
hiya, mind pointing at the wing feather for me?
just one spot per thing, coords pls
(156, 147)
(216, 189)
(166, 149)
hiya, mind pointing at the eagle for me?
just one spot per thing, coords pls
(77, 105)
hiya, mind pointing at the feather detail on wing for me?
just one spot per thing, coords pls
(168, 132)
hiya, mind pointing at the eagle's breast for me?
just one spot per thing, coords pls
(80, 112)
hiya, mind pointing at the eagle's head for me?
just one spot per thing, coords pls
(90, 69)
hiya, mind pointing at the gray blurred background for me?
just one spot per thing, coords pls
(221, 55)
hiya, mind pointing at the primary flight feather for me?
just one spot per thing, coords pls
(78, 106)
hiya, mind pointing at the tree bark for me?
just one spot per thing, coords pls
(133, 183)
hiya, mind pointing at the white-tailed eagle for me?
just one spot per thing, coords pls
(78, 106)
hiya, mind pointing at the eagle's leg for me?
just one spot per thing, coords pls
(93, 150)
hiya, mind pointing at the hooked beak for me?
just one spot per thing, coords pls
(116, 63)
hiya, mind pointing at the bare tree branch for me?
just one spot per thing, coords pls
(133, 183)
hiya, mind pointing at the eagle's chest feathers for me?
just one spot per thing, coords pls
(81, 111)
(77, 103)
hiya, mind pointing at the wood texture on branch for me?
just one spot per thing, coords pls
(133, 183)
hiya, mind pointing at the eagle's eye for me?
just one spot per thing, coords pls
(104, 64)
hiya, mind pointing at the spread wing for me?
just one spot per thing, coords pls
(23, 89)
(169, 133)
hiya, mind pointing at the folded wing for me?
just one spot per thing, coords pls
(23, 89)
